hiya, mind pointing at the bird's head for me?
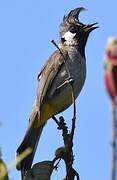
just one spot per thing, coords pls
(73, 32)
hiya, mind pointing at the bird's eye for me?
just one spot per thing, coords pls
(73, 29)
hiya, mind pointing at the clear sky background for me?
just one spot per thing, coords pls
(26, 29)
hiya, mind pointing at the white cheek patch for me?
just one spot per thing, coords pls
(68, 36)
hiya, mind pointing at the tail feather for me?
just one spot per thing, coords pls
(31, 140)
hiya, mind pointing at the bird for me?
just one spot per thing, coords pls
(53, 94)
(110, 69)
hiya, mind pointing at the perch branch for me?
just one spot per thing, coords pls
(66, 152)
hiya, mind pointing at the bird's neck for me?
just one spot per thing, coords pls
(74, 46)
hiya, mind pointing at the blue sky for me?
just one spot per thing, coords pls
(26, 29)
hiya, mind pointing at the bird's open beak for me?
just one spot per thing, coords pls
(90, 27)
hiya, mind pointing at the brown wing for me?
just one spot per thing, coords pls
(48, 73)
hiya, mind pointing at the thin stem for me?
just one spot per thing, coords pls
(68, 137)
(114, 146)
(72, 90)
(74, 114)
(64, 59)
(56, 120)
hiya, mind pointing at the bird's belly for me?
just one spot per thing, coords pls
(61, 92)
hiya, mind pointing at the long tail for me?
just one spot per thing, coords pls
(31, 140)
